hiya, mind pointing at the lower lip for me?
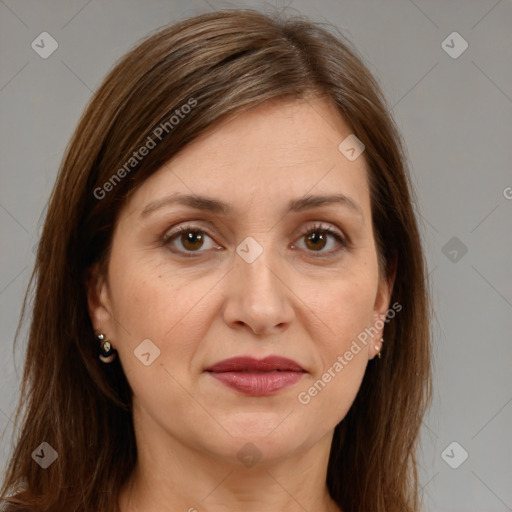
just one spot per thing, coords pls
(258, 384)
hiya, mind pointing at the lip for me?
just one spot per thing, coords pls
(250, 364)
(257, 377)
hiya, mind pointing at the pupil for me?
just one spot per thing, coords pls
(192, 238)
(315, 237)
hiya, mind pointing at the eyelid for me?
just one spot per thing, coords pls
(172, 233)
(343, 241)
(332, 230)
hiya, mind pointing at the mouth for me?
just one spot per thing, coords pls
(255, 377)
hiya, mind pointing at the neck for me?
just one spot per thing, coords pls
(170, 476)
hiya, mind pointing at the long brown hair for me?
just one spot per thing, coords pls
(223, 63)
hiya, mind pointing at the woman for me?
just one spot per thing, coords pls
(230, 246)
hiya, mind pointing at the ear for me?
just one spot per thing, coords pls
(381, 306)
(98, 300)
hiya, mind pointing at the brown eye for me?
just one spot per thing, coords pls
(316, 240)
(318, 237)
(191, 240)
(187, 239)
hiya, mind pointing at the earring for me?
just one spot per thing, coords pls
(106, 353)
(377, 348)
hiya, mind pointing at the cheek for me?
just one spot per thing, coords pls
(166, 305)
(147, 297)
(346, 310)
(346, 306)
(326, 400)
(150, 305)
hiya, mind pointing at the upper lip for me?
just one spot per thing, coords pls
(246, 363)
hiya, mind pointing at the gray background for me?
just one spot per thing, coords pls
(456, 118)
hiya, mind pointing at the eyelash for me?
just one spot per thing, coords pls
(317, 228)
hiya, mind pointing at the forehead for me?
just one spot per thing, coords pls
(264, 157)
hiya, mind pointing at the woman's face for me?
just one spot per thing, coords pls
(246, 280)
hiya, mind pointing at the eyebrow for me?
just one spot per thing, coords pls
(219, 207)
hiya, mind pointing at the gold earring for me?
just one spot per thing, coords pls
(377, 348)
(106, 353)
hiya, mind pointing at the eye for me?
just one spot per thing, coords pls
(317, 238)
(191, 239)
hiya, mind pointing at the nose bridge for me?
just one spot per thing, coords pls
(259, 272)
(258, 295)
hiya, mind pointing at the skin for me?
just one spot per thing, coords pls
(297, 299)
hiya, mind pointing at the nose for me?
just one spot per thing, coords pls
(258, 295)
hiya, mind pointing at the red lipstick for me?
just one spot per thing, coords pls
(257, 377)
